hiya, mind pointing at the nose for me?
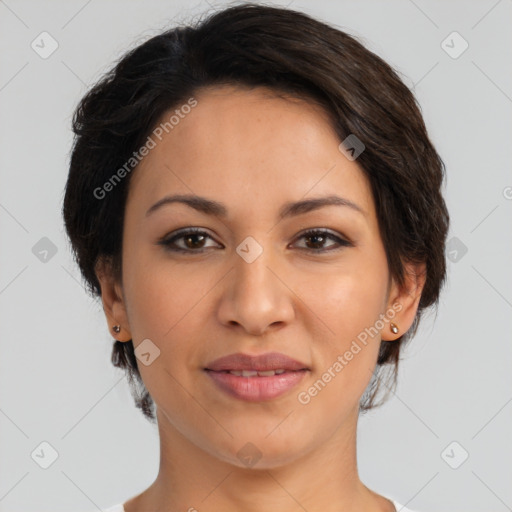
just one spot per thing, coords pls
(256, 296)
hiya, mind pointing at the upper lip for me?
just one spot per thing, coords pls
(263, 362)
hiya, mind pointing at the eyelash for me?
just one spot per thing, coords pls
(167, 242)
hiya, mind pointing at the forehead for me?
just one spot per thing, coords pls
(245, 145)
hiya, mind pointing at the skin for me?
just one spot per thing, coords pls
(254, 152)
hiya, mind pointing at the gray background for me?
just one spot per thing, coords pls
(56, 381)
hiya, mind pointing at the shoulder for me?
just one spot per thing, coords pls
(398, 506)
(120, 508)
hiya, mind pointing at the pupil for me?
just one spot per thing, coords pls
(316, 237)
(191, 237)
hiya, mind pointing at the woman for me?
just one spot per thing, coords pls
(257, 203)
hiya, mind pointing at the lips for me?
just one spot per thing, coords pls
(256, 388)
(270, 361)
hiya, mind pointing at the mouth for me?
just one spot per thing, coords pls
(256, 386)
(256, 378)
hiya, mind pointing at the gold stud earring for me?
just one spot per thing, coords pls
(393, 327)
(116, 329)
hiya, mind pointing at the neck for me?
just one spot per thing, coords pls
(323, 478)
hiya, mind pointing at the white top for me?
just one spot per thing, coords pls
(399, 508)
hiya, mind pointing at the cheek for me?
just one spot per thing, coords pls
(348, 302)
(347, 299)
(167, 306)
(160, 292)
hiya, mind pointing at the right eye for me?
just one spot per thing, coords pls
(193, 237)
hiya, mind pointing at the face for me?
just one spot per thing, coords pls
(252, 280)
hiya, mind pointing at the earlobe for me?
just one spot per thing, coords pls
(404, 301)
(120, 334)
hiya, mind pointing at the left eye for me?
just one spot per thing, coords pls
(321, 235)
(195, 239)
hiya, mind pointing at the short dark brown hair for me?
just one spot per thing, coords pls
(253, 45)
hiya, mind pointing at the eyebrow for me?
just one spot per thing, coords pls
(290, 209)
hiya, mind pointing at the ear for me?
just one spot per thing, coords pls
(113, 300)
(404, 300)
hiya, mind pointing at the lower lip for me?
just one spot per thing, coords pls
(255, 389)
